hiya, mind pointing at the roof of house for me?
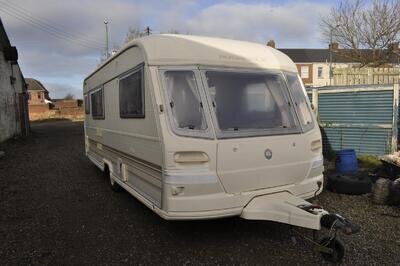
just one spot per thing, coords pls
(4, 41)
(322, 55)
(177, 49)
(35, 85)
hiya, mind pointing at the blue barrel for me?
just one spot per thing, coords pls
(346, 161)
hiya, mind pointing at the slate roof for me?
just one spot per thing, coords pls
(35, 85)
(322, 55)
(4, 41)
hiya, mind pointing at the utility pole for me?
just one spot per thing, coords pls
(330, 58)
(106, 24)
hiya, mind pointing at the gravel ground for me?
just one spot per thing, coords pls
(57, 208)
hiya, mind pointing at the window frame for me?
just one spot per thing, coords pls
(308, 71)
(222, 134)
(318, 72)
(98, 117)
(86, 102)
(136, 69)
(304, 128)
(206, 133)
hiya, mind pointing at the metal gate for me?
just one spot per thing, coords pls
(360, 117)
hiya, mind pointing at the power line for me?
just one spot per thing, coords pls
(50, 24)
(48, 30)
(54, 34)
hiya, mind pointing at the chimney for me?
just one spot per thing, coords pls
(394, 46)
(334, 46)
(271, 43)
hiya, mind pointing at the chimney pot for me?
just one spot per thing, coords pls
(334, 46)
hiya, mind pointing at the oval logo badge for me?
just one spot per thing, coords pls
(268, 154)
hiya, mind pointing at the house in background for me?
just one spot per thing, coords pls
(314, 64)
(37, 93)
(14, 119)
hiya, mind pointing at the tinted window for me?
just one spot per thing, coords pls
(250, 101)
(131, 95)
(97, 104)
(184, 100)
(87, 105)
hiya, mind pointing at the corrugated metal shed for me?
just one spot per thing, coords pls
(358, 117)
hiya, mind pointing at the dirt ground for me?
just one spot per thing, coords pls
(57, 208)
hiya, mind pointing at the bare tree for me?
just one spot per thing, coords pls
(366, 31)
(134, 33)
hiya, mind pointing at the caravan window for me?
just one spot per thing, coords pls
(97, 104)
(184, 100)
(250, 102)
(131, 95)
(300, 101)
(87, 104)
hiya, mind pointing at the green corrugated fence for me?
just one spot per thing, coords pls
(360, 117)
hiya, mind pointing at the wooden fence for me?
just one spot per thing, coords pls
(361, 76)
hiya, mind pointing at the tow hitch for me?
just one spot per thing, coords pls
(331, 247)
(286, 208)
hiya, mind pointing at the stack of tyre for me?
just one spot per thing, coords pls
(346, 180)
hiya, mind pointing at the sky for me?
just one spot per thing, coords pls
(61, 42)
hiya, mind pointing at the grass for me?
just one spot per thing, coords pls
(368, 161)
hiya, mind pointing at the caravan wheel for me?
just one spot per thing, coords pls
(337, 249)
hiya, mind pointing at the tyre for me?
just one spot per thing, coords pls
(337, 247)
(347, 184)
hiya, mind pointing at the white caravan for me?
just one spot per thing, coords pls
(200, 128)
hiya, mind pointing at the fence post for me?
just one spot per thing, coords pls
(395, 116)
(315, 101)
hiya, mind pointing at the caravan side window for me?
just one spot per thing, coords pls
(131, 95)
(97, 103)
(87, 104)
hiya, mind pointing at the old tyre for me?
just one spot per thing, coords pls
(337, 247)
(347, 184)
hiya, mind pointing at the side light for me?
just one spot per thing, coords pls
(190, 157)
(316, 145)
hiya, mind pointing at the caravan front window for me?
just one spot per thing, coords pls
(300, 101)
(184, 100)
(255, 103)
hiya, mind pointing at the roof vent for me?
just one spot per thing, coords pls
(271, 43)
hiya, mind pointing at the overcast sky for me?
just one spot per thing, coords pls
(60, 42)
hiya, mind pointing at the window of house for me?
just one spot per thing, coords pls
(304, 72)
(320, 72)
(38, 95)
(87, 104)
(131, 95)
(97, 104)
(29, 95)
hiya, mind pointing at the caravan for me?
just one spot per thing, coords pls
(201, 128)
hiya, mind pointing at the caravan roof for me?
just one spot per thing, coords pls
(173, 49)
